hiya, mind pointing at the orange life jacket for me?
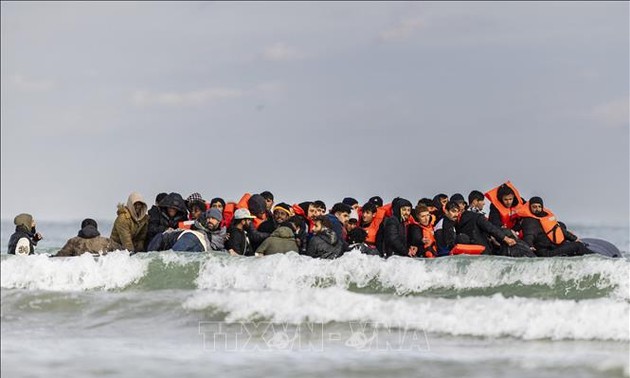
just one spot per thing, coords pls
(467, 249)
(430, 246)
(372, 229)
(509, 216)
(242, 203)
(549, 223)
(228, 213)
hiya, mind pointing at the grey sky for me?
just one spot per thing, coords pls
(313, 101)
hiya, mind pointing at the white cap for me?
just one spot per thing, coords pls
(243, 214)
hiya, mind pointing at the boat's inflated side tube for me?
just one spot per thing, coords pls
(601, 247)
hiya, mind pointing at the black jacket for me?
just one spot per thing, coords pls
(238, 241)
(414, 238)
(159, 221)
(22, 232)
(325, 245)
(479, 229)
(445, 236)
(391, 238)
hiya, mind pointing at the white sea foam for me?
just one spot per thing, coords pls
(494, 316)
(112, 271)
(404, 275)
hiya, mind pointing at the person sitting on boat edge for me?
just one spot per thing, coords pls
(545, 234)
(88, 239)
(131, 224)
(25, 237)
(391, 238)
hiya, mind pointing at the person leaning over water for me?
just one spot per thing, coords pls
(131, 224)
(25, 237)
(88, 240)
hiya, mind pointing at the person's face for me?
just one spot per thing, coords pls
(321, 211)
(171, 212)
(432, 209)
(367, 216)
(536, 208)
(507, 200)
(425, 218)
(317, 227)
(444, 200)
(248, 222)
(213, 224)
(478, 204)
(343, 217)
(350, 226)
(138, 207)
(196, 212)
(405, 212)
(452, 214)
(312, 212)
(218, 205)
(280, 216)
(269, 203)
(462, 206)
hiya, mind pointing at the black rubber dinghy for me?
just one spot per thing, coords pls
(602, 247)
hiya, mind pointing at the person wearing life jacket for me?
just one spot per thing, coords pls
(356, 240)
(391, 239)
(371, 219)
(504, 203)
(171, 210)
(238, 240)
(25, 237)
(131, 224)
(545, 234)
(421, 234)
(479, 230)
(428, 202)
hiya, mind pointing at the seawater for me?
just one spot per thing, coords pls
(187, 314)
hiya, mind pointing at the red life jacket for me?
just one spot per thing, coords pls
(467, 249)
(509, 216)
(185, 225)
(549, 223)
(430, 246)
(299, 211)
(228, 213)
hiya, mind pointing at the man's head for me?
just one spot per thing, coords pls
(423, 214)
(321, 223)
(342, 212)
(357, 235)
(428, 203)
(268, 196)
(459, 198)
(257, 205)
(321, 207)
(376, 200)
(218, 203)
(313, 210)
(452, 210)
(353, 203)
(440, 200)
(159, 198)
(476, 199)
(281, 212)
(196, 208)
(351, 225)
(243, 217)
(506, 195)
(214, 217)
(295, 222)
(403, 206)
(171, 211)
(536, 205)
(89, 222)
(368, 211)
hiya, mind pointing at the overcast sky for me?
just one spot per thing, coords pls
(312, 101)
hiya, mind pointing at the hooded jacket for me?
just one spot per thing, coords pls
(130, 229)
(325, 245)
(479, 229)
(23, 240)
(282, 240)
(393, 234)
(159, 221)
(88, 240)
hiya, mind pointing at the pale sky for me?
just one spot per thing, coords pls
(314, 100)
